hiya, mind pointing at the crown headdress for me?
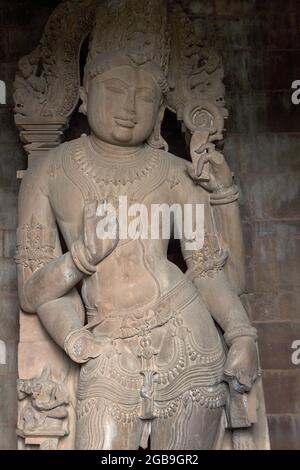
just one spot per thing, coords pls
(140, 27)
(159, 31)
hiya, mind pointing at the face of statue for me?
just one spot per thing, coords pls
(123, 105)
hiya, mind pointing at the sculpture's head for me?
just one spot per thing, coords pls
(123, 98)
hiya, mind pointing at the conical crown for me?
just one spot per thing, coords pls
(139, 27)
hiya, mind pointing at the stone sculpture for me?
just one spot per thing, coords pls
(44, 417)
(164, 355)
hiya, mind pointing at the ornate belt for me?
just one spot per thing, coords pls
(126, 323)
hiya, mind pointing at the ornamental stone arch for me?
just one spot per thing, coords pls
(48, 79)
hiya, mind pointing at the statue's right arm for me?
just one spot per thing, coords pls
(46, 276)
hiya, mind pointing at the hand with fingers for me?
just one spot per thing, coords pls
(242, 365)
(100, 230)
(210, 168)
(100, 236)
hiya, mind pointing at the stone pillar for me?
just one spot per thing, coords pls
(18, 20)
(10, 161)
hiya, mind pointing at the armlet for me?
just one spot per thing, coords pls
(35, 245)
(207, 261)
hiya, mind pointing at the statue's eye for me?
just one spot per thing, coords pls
(146, 97)
(115, 89)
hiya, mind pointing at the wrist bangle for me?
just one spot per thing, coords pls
(237, 332)
(75, 345)
(79, 258)
(225, 196)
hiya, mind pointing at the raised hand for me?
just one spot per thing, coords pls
(100, 230)
(100, 236)
(209, 167)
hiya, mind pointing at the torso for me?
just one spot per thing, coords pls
(157, 320)
(137, 271)
(137, 274)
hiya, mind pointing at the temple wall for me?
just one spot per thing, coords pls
(261, 53)
(260, 44)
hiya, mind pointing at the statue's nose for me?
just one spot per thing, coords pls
(130, 103)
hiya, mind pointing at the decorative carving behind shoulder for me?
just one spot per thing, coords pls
(48, 80)
(195, 70)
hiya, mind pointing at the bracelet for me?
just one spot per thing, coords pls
(237, 332)
(79, 258)
(75, 345)
(225, 196)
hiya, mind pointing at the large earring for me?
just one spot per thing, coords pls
(83, 97)
(156, 140)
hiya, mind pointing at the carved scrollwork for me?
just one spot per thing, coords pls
(204, 116)
(201, 72)
(47, 82)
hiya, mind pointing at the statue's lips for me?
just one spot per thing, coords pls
(123, 122)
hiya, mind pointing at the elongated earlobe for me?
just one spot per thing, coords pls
(83, 97)
(156, 140)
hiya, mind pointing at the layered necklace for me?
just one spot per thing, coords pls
(101, 174)
(118, 169)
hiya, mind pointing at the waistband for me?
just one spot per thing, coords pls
(126, 323)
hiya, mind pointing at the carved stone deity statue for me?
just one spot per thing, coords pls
(167, 359)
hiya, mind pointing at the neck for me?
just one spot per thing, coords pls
(111, 150)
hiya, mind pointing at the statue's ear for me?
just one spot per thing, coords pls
(83, 97)
(156, 140)
(162, 109)
(160, 116)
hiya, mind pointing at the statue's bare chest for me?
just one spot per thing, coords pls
(78, 178)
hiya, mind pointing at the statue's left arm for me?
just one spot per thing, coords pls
(206, 268)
